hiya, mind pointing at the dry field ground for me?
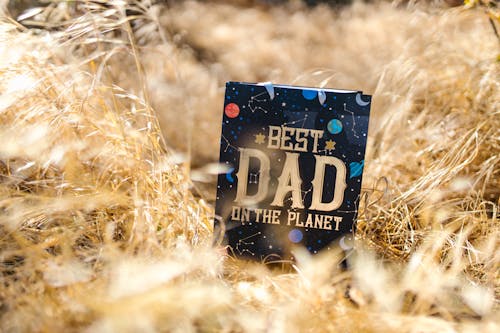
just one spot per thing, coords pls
(109, 128)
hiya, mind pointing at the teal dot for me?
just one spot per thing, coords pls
(309, 94)
(334, 126)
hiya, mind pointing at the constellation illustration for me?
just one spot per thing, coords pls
(253, 178)
(244, 241)
(255, 99)
(353, 121)
(228, 144)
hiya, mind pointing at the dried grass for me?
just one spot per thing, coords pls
(100, 231)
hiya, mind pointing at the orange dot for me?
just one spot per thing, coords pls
(232, 110)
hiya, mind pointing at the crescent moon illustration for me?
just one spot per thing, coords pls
(229, 177)
(321, 97)
(360, 101)
(343, 245)
(269, 88)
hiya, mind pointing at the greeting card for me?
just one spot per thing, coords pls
(294, 158)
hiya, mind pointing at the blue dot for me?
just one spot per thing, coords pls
(334, 126)
(295, 235)
(309, 94)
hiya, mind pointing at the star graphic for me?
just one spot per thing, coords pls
(330, 145)
(260, 138)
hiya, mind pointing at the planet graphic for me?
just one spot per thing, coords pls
(232, 110)
(334, 126)
(295, 235)
(309, 94)
(356, 168)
